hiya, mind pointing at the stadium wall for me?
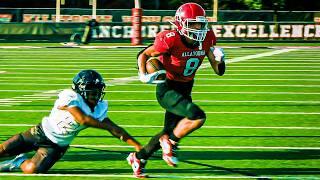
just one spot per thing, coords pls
(115, 25)
(121, 32)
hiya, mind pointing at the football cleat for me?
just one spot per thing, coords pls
(13, 164)
(169, 151)
(137, 165)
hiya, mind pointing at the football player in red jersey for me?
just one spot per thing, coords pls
(181, 52)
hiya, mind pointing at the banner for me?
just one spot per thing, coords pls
(122, 32)
(124, 15)
(5, 18)
(28, 18)
(226, 31)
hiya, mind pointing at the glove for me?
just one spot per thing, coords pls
(151, 78)
(148, 78)
(218, 54)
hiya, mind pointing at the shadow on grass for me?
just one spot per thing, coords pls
(193, 156)
(214, 170)
(99, 154)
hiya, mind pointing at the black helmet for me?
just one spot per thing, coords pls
(89, 81)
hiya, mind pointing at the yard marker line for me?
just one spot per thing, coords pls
(52, 63)
(135, 78)
(12, 101)
(112, 80)
(205, 127)
(198, 74)
(254, 79)
(205, 65)
(161, 176)
(197, 84)
(69, 69)
(238, 59)
(209, 147)
(18, 90)
(244, 74)
(1, 72)
(196, 92)
(282, 63)
(156, 112)
(37, 84)
(34, 98)
(255, 85)
(222, 92)
(96, 65)
(271, 70)
(297, 59)
(52, 73)
(240, 65)
(215, 101)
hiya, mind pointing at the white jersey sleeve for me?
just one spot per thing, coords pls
(60, 126)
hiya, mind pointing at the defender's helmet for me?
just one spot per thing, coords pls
(89, 82)
(187, 14)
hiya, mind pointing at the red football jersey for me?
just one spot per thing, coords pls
(180, 61)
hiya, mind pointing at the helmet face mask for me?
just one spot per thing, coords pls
(90, 85)
(187, 16)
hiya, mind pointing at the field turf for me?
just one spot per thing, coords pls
(263, 115)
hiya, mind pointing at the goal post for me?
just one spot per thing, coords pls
(136, 38)
(92, 3)
(215, 11)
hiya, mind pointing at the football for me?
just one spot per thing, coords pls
(153, 65)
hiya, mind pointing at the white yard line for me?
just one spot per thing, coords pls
(271, 70)
(205, 65)
(196, 92)
(205, 127)
(160, 112)
(296, 59)
(255, 79)
(125, 176)
(261, 74)
(13, 101)
(302, 67)
(28, 99)
(55, 73)
(71, 69)
(238, 59)
(214, 101)
(112, 80)
(73, 65)
(52, 63)
(17, 100)
(255, 85)
(209, 147)
(282, 63)
(198, 74)
(197, 85)
(118, 81)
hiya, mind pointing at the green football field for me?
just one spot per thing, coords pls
(263, 115)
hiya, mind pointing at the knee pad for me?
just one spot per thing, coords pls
(194, 112)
